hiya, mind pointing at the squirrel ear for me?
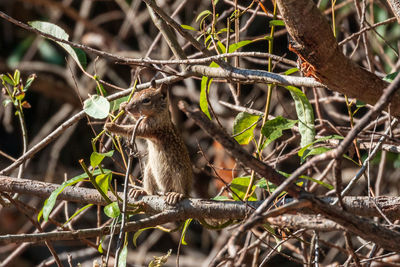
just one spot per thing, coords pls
(153, 83)
(163, 89)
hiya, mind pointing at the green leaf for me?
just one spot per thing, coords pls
(97, 107)
(115, 104)
(328, 186)
(390, 77)
(221, 47)
(49, 53)
(242, 122)
(81, 57)
(123, 255)
(314, 151)
(360, 104)
(104, 180)
(205, 88)
(138, 233)
(112, 210)
(291, 71)
(96, 158)
(204, 14)
(56, 31)
(266, 185)
(208, 38)
(188, 27)
(6, 79)
(239, 186)
(20, 96)
(224, 30)
(304, 150)
(14, 58)
(29, 81)
(184, 230)
(100, 247)
(51, 201)
(221, 198)
(233, 47)
(17, 76)
(40, 214)
(276, 22)
(305, 115)
(272, 129)
(78, 212)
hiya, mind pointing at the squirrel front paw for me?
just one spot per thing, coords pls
(173, 197)
(123, 130)
(136, 193)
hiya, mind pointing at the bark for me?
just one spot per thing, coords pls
(317, 45)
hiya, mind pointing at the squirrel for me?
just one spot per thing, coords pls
(168, 168)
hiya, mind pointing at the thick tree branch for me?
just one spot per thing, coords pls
(317, 45)
(197, 208)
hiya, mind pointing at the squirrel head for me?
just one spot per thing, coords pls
(149, 102)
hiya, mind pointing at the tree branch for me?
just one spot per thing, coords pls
(317, 45)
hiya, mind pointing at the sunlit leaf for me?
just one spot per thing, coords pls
(390, 77)
(276, 22)
(103, 181)
(100, 247)
(233, 47)
(56, 31)
(305, 115)
(112, 210)
(29, 81)
(96, 106)
(239, 185)
(266, 185)
(7, 79)
(188, 27)
(96, 158)
(291, 71)
(204, 90)
(221, 198)
(17, 76)
(184, 230)
(51, 201)
(221, 47)
(244, 123)
(204, 14)
(123, 255)
(138, 233)
(78, 212)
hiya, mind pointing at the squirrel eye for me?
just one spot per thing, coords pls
(146, 100)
